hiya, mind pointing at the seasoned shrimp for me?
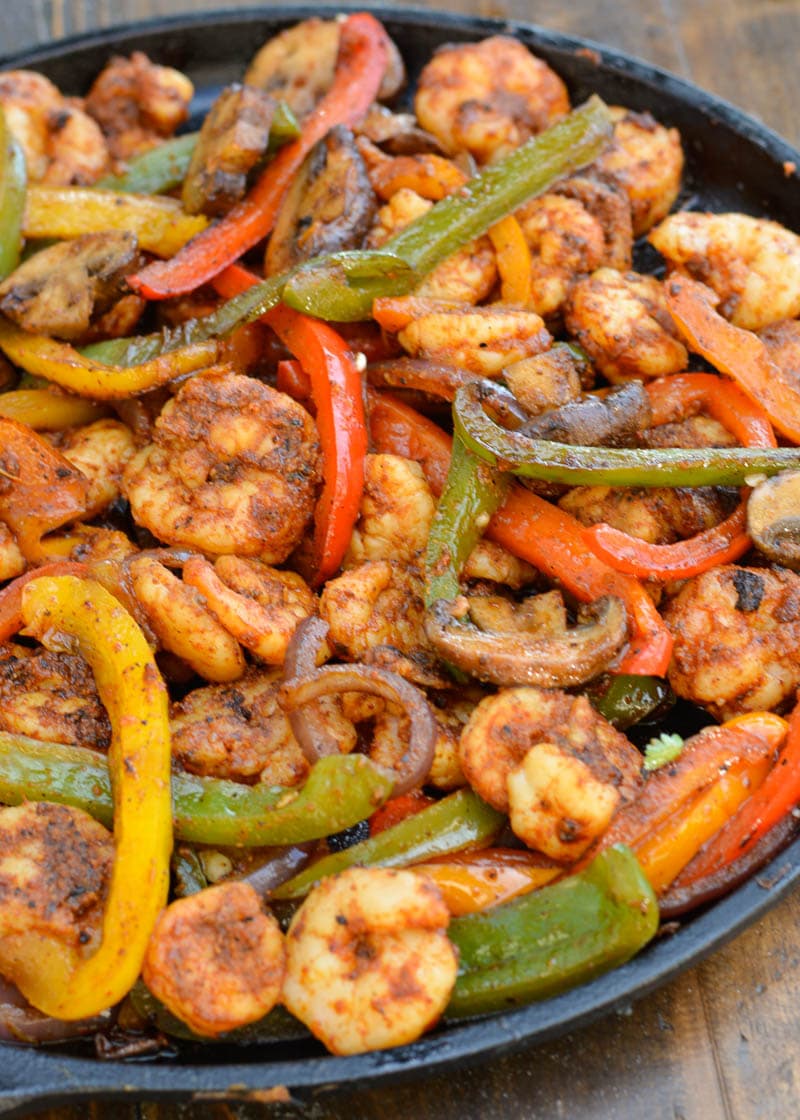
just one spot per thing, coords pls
(215, 959)
(622, 322)
(260, 606)
(646, 159)
(492, 562)
(51, 696)
(480, 339)
(183, 624)
(100, 452)
(396, 513)
(12, 562)
(232, 469)
(555, 764)
(390, 740)
(545, 380)
(489, 97)
(467, 276)
(368, 962)
(375, 613)
(138, 104)
(572, 231)
(240, 732)
(659, 515)
(751, 263)
(55, 866)
(737, 639)
(62, 144)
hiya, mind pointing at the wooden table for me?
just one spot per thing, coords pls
(721, 1041)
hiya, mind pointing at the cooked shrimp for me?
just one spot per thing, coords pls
(553, 762)
(659, 515)
(646, 159)
(492, 562)
(215, 959)
(480, 339)
(737, 639)
(95, 545)
(368, 962)
(751, 263)
(390, 740)
(375, 613)
(572, 231)
(50, 696)
(183, 624)
(138, 104)
(62, 145)
(100, 452)
(694, 431)
(232, 469)
(622, 322)
(240, 732)
(467, 276)
(396, 512)
(12, 562)
(489, 97)
(55, 866)
(260, 606)
(545, 380)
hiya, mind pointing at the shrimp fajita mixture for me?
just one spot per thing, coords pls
(401, 605)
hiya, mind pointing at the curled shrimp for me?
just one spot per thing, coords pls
(487, 98)
(481, 339)
(368, 962)
(396, 512)
(260, 606)
(100, 452)
(232, 469)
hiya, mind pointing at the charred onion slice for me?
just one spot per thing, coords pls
(307, 724)
(415, 764)
(19, 1022)
(516, 658)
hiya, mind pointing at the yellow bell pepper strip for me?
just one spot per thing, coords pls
(48, 411)
(739, 353)
(160, 224)
(13, 181)
(360, 66)
(513, 260)
(62, 611)
(40, 490)
(65, 366)
(11, 595)
(475, 880)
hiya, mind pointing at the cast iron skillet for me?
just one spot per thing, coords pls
(733, 162)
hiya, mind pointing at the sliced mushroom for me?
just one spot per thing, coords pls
(59, 289)
(773, 518)
(399, 133)
(613, 420)
(329, 207)
(234, 137)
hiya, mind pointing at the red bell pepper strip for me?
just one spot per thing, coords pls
(777, 796)
(534, 530)
(397, 809)
(734, 351)
(337, 392)
(671, 398)
(360, 67)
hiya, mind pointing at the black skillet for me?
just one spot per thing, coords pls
(733, 162)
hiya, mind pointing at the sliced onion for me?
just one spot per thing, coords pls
(415, 764)
(504, 658)
(435, 378)
(19, 1022)
(308, 726)
(274, 866)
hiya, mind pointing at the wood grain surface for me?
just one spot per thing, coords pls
(721, 1041)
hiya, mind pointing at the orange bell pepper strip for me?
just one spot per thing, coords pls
(360, 67)
(40, 490)
(337, 391)
(56, 981)
(672, 398)
(65, 366)
(394, 313)
(475, 880)
(513, 260)
(739, 353)
(534, 530)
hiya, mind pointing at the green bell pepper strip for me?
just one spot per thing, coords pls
(457, 821)
(277, 1026)
(566, 146)
(607, 466)
(164, 168)
(13, 183)
(630, 698)
(554, 938)
(472, 494)
(341, 790)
